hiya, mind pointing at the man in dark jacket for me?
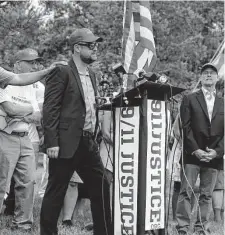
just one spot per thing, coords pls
(69, 118)
(202, 116)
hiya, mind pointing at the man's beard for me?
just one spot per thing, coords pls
(86, 60)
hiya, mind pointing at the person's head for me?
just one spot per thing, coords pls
(26, 60)
(84, 45)
(209, 75)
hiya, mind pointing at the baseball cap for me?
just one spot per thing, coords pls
(209, 65)
(83, 35)
(27, 54)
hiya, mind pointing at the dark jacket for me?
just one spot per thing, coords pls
(64, 109)
(198, 132)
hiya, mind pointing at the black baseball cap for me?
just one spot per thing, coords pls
(83, 35)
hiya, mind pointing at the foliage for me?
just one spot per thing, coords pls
(186, 33)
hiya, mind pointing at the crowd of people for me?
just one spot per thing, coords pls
(78, 143)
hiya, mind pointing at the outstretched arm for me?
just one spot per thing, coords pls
(23, 79)
(29, 78)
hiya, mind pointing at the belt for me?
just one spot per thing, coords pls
(88, 134)
(20, 134)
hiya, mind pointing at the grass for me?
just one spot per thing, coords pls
(82, 219)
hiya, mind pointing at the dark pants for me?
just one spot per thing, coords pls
(88, 164)
(10, 201)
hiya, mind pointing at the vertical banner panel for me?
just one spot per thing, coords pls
(126, 170)
(155, 174)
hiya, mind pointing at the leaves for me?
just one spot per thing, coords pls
(186, 33)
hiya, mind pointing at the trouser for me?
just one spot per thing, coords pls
(88, 164)
(36, 152)
(44, 177)
(207, 183)
(10, 201)
(19, 154)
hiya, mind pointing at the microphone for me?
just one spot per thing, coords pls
(119, 69)
(148, 76)
(152, 77)
(120, 72)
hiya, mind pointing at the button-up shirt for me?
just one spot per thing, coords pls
(210, 99)
(89, 98)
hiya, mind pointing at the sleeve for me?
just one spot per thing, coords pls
(185, 114)
(54, 93)
(220, 148)
(5, 77)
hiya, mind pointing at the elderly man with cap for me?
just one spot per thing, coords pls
(21, 109)
(70, 121)
(202, 116)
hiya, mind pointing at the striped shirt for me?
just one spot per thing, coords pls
(89, 98)
(210, 99)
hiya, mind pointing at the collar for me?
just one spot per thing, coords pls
(205, 92)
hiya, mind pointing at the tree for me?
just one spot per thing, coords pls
(187, 33)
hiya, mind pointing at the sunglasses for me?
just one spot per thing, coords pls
(209, 73)
(91, 45)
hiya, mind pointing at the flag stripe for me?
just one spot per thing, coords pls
(147, 39)
(129, 49)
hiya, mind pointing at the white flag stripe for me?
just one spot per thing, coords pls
(146, 33)
(150, 55)
(144, 12)
(143, 59)
(129, 50)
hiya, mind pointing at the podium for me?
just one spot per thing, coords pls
(140, 127)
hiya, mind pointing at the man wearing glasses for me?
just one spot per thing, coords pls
(202, 116)
(70, 121)
(19, 108)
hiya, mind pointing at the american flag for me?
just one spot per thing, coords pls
(138, 42)
(218, 60)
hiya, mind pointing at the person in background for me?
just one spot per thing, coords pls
(37, 91)
(218, 195)
(16, 146)
(71, 202)
(202, 117)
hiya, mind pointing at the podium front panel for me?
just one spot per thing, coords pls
(126, 170)
(155, 172)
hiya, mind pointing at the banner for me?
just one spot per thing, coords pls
(126, 170)
(155, 173)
